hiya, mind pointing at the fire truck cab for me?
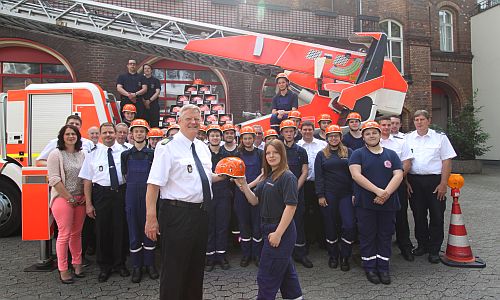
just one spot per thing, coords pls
(29, 119)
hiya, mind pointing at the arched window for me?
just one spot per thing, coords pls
(445, 31)
(21, 66)
(394, 33)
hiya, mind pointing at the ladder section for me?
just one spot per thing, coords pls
(110, 25)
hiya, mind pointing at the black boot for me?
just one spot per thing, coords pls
(333, 262)
(136, 275)
(153, 273)
(372, 277)
(344, 264)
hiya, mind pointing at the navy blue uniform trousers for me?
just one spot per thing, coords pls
(141, 247)
(339, 211)
(375, 228)
(219, 214)
(276, 269)
(249, 225)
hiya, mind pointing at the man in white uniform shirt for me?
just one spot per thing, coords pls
(122, 134)
(182, 173)
(259, 137)
(104, 190)
(399, 146)
(427, 184)
(312, 218)
(74, 120)
(396, 126)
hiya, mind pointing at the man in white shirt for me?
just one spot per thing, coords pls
(104, 190)
(312, 218)
(399, 146)
(259, 137)
(427, 184)
(122, 134)
(74, 120)
(93, 133)
(182, 173)
(396, 126)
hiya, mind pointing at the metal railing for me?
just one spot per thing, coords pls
(485, 5)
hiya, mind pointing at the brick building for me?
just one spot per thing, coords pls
(429, 41)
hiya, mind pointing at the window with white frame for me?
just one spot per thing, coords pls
(394, 32)
(445, 31)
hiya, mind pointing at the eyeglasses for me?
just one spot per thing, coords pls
(258, 133)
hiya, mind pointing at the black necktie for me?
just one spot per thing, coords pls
(204, 179)
(113, 176)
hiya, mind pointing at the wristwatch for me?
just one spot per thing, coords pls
(71, 200)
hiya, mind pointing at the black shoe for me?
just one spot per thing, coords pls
(344, 264)
(372, 277)
(224, 264)
(306, 262)
(66, 281)
(433, 258)
(407, 255)
(245, 261)
(86, 262)
(103, 276)
(333, 262)
(385, 278)
(209, 266)
(419, 251)
(153, 273)
(136, 275)
(257, 261)
(124, 272)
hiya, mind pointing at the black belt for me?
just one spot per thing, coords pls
(185, 204)
(108, 188)
(265, 220)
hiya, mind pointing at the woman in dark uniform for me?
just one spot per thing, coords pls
(377, 173)
(334, 189)
(278, 197)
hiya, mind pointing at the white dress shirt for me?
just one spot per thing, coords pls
(174, 169)
(399, 134)
(87, 145)
(398, 145)
(312, 150)
(429, 151)
(125, 145)
(96, 168)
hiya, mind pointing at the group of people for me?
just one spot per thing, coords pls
(300, 186)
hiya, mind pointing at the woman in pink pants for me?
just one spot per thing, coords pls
(67, 200)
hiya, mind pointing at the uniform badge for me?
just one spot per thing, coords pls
(165, 141)
(387, 164)
(190, 169)
(101, 168)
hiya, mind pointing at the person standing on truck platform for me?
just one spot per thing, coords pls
(277, 195)
(131, 88)
(183, 217)
(87, 145)
(151, 104)
(136, 164)
(283, 102)
(104, 190)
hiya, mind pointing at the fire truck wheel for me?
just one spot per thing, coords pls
(10, 209)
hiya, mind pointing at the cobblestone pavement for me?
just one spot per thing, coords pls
(416, 280)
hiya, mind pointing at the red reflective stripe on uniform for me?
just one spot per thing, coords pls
(458, 230)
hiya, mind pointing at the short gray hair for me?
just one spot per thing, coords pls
(188, 107)
(421, 112)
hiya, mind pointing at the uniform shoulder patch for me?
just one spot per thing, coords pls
(93, 148)
(397, 137)
(167, 140)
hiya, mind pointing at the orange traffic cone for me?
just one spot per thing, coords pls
(458, 251)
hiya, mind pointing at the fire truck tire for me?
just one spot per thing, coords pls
(10, 208)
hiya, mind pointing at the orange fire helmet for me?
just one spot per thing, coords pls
(227, 127)
(282, 75)
(129, 108)
(295, 114)
(173, 126)
(270, 132)
(203, 128)
(247, 130)
(287, 124)
(369, 125)
(214, 127)
(139, 123)
(231, 166)
(353, 116)
(333, 129)
(324, 117)
(155, 132)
